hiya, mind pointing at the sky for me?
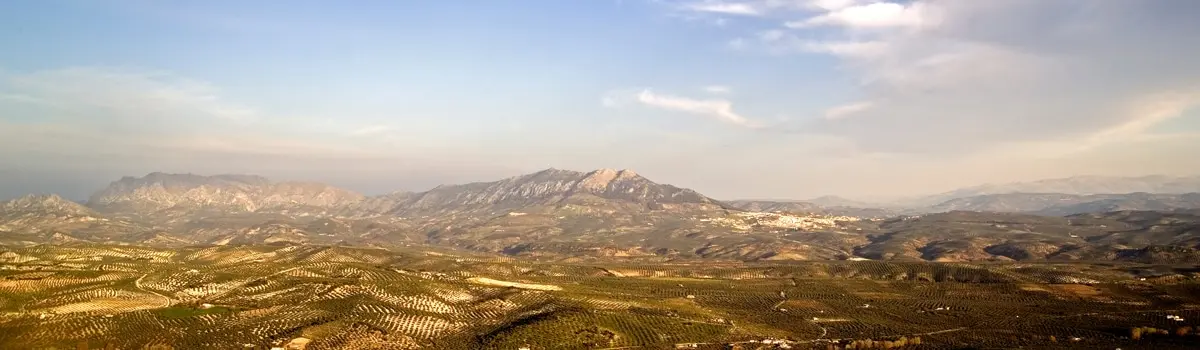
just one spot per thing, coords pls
(784, 99)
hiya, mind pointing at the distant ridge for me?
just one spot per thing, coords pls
(1057, 204)
(551, 186)
(836, 201)
(251, 193)
(1089, 184)
(565, 214)
(157, 191)
(45, 203)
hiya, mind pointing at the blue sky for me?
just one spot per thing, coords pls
(737, 99)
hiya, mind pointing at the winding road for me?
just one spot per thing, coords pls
(166, 300)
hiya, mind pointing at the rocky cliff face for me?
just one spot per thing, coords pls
(554, 187)
(223, 208)
(243, 193)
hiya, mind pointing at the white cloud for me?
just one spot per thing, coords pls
(753, 8)
(721, 109)
(963, 76)
(847, 48)
(955, 93)
(737, 43)
(729, 8)
(718, 89)
(873, 15)
(773, 35)
(846, 110)
(759, 8)
(618, 98)
(832, 5)
(1145, 113)
(1141, 113)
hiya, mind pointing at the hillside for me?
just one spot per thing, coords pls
(50, 218)
(602, 214)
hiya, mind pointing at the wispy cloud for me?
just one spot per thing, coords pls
(868, 16)
(70, 111)
(125, 99)
(98, 123)
(718, 89)
(729, 8)
(760, 8)
(953, 93)
(751, 8)
(843, 111)
(1002, 72)
(718, 109)
(721, 109)
(1147, 112)
(833, 5)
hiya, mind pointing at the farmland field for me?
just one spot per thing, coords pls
(354, 298)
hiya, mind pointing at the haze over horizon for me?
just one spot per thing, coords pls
(735, 99)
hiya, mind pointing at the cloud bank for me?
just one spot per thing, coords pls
(944, 77)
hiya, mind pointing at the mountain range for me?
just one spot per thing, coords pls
(1062, 196)
(563, 214)
(1058, 204)
(1076, 185)
(1084, 185)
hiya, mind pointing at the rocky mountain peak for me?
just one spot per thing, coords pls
(47, 203)
(600, 180)
(240, 192)
(553, 186)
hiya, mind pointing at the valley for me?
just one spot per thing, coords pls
(605, 259)
(257, 297)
